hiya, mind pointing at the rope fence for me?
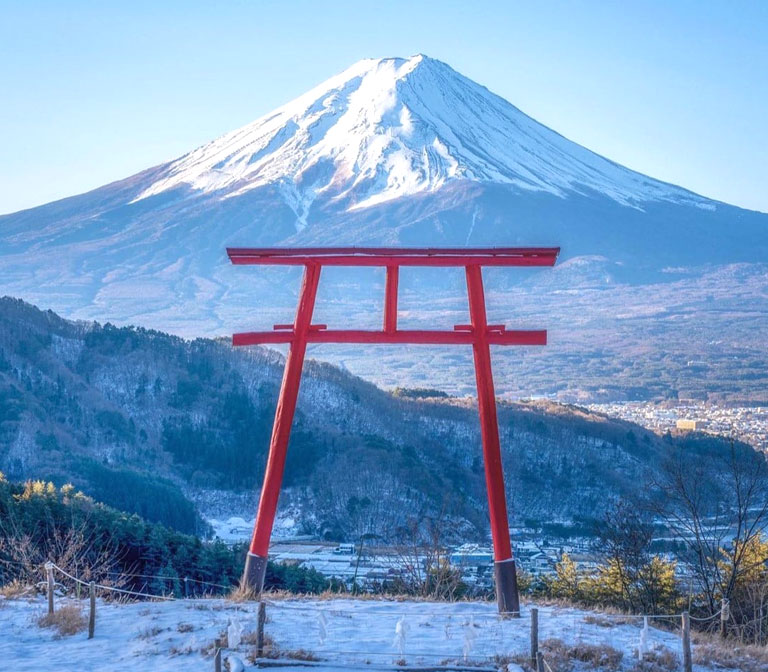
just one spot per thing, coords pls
(448, 634)
(114, 589)
(456, 635)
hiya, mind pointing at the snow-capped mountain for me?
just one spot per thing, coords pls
(397, 152)
(388, 128)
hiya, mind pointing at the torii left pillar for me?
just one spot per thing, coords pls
(256, 561)
(479, 334)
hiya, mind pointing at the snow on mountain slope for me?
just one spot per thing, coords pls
(387, 128)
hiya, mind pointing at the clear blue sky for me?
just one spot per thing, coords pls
(91, 92)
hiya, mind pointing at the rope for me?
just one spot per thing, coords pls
(475, 614)
(112, 588)
(413, 614)
(625, 616)
(706, 618)
(167, 578)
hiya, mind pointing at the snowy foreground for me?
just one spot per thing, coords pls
(342, 634)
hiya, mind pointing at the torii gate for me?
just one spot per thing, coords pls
(479, 334)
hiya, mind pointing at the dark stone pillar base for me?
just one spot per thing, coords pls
(253, 576)
(506, 588)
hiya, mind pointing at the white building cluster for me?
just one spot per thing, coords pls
(744, 423)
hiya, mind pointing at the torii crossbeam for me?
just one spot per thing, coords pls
(479, 334)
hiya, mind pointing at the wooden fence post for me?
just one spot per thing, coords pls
(49, 577)
(725, 609)
(534, 635)
(539, 662)
(92, 613)
(260, 630)
(217, 656)
(687, 663)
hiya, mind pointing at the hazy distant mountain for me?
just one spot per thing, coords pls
(407, 152)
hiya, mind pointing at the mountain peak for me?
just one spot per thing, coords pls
(392, 127)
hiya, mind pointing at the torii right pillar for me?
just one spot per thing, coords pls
(505, 571)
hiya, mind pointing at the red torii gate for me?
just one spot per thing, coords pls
(479, 334)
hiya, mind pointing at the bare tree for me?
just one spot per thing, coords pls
(624, 536)
(72, 546)
(425, 559)
(718, 505)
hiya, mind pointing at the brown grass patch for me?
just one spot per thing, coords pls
(300, 654)
(16, 589)
(240, 594)
(561, 656)
(711, 651)
(67, 620)
(272, 650)
(658, 660)
(149, 632)
(185, 627)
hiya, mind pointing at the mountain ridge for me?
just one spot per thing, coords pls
(147, 421)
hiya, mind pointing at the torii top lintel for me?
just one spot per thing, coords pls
(314, 258)
(395, 256)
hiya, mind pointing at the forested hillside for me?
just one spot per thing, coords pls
(149, 423)
(41, 523)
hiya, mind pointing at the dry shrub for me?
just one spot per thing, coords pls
(68, 620)
(16, 589)
(149, 632)
(658, 660)
(597, 655)
(300, 654)
(241, 594)
(717, 653)
(560, 655)
(271, 649)
(185, 627)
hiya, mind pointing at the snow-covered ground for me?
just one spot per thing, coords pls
(347, 633)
